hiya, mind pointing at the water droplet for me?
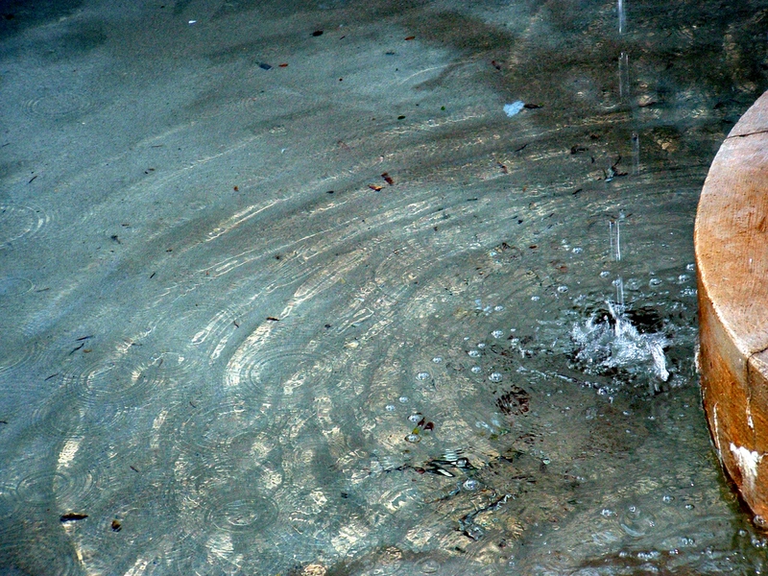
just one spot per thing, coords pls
(637, 523)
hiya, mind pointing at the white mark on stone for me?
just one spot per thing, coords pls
(747, 461)
(717, 433)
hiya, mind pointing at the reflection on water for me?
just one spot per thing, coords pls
(286, 291)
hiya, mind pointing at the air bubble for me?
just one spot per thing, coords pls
(562, 289)
(497, 333)
(535, 298)
(654, 282)
(481, 345)
(495, 377)
(437, 359)
(690, 267)
(415, 417)
(667, 498)
(403, 399)
(577, 250)
(413, 438)
(604, 274)
(476, 369)
(389, 408)
(607, 513)
(498, 308)
(422, 375)
(474, 353)
(471, 485)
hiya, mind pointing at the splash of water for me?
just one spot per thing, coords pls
(612, 341)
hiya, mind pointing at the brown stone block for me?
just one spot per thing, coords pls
(731, 240)
(754, 120)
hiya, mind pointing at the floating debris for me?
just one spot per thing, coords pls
(514, 108)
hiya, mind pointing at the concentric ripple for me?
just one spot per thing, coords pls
(229, 498)
(19, 221)
(59, 104)
(231, 426)
(279, 373)
(123, 380)
(47, 487)
(238, 513)
(11, 286)
(14, 354)
(57, 418)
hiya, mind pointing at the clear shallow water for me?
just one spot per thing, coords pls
(320, 318)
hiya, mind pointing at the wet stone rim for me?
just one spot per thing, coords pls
(732, 265)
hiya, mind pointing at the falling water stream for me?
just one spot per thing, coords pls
(344, 288)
